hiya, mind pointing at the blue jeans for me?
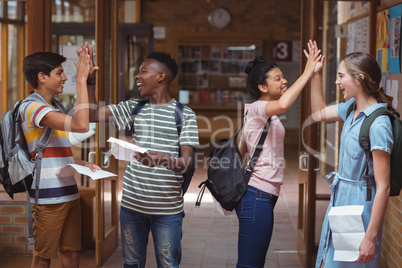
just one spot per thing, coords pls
(166, 233)
(256, 221)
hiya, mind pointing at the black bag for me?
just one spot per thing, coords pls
(227, 181)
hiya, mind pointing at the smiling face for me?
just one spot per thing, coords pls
(54, 83)
(149, 77)
(275, 84)
(350, 86)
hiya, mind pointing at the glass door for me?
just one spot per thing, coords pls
(106, 202)
(92, 21)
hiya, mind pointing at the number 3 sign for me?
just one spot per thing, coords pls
(282, 50)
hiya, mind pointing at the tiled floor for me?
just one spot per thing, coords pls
(210, 238)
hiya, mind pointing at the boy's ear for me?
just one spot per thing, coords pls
(161, 76)
(41, 77)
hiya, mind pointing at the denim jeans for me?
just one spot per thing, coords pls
(166, 233)
(256, 221)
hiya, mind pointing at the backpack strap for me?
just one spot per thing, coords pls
(351, 108)
(136, 110)
(364, 141)
(239, 127)
(42, 142)
(258, 149)
(178, 116)
(138, 107)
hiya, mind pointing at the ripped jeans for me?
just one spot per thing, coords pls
(166, 233)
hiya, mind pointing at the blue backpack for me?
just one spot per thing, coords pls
(179, 124)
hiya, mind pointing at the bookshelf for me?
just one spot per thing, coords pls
(213, 75)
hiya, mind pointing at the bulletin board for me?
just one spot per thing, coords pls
(388, 47)
(393, 83)
(394, 39)
(388, 41)
(382, 40)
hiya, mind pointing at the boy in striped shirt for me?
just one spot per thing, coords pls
(152, 197)
(57, 227)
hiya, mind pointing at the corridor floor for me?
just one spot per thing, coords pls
(210, 238)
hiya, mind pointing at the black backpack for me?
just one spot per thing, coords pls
(179, 124)
(396, 155)
(16, 166)
(227, 180)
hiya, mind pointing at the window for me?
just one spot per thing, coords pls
(12, 25)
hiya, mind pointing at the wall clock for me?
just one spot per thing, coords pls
(219, 18)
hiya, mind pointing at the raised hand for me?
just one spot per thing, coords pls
(91, 78)
(313, 46)
(83, 65)
(313, 57)
(94, 69)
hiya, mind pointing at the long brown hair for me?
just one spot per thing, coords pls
(362, 63)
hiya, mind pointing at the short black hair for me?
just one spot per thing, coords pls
(167, 61)
(38, 62)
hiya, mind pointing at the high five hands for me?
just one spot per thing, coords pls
(92, 68)
(313, 49)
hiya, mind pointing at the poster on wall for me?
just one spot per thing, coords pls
(392, 89)
(70, 70)
(358, 36)
(382, 39)
(394, 39)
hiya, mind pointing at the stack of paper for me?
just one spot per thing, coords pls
(123, 150)
(347, 231)
(70, 169)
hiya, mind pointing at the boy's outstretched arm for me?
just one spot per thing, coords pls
(79, 121)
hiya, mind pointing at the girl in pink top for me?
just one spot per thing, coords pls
(268, 87)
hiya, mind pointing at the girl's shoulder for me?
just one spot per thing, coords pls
(345, 108)
(256, 107)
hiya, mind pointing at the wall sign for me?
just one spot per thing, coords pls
(282, 50)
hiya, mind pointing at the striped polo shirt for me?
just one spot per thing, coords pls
(57, 154)
(154, 190)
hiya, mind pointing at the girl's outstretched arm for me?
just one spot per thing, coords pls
(284, 103)
(319, 110)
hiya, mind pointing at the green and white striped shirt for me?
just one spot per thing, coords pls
(154, 190)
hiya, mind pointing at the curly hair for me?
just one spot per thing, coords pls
(167, 61)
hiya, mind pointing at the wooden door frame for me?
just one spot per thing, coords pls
(105, 30)
(307, 182)
(39, 25)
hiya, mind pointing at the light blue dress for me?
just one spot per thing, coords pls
(349, 187)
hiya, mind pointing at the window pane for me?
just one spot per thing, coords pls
(1, 9)
(127, 11)
(73, 11)
(12, 65)
(12, 9)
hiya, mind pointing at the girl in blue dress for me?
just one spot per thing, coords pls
(359, 78)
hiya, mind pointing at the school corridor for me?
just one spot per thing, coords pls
(210, 238)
